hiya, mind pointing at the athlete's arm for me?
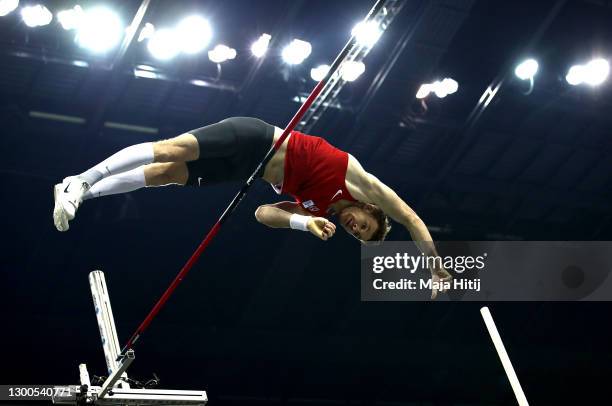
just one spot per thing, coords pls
(278, 215)
(369, 189)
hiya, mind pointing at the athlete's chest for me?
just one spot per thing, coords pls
(321, 204)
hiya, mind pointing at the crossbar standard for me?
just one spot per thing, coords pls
(106, 323)
(115, 390)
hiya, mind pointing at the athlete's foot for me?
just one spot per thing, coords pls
(68, 196)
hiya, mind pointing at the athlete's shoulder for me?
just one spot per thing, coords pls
(356, 174)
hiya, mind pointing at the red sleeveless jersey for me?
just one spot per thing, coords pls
(315, 173)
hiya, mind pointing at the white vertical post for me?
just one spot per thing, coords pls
(106, 322)
(84, 375)
(503, 356)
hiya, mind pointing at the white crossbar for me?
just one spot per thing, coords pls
(503, 357)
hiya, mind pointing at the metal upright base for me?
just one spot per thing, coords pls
(115, 390)
(131, 397)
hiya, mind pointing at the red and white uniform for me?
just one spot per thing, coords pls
(315, 173)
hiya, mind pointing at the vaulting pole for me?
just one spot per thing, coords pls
(243, 191)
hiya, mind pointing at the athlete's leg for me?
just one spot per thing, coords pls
(163, 174)
(156, 174)
(71, 192)
(178, 149)
(184, 148)
(221, 152)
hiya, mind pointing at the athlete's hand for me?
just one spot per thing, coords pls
(321, 227)
(438, 277)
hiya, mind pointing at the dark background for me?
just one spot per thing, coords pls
(274, 316)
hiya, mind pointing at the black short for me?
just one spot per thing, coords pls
(230, 150)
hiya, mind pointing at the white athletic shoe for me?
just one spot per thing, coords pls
(68, 196)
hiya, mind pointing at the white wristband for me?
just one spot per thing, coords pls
(299, 222)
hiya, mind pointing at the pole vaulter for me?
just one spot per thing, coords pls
(243, 191)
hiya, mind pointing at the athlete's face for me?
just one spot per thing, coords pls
(358, 222)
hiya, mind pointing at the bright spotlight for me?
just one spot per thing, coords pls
(145, 74)
(450, 85)
(367, 33)
(575, 76)
(318, 73)
(8, 6)
(199, 82)
(164, 44)
(36, 16)
(72, 18)
(526, 69)
(441, 88)
(351, 70)
(100, 30)
(445, 87)
(596, 72)
(194, 34)
(593, 73)
(148, 68)
(260, 47)
(423, 91)
(296, 52)
(147, 32)
(221, 53)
